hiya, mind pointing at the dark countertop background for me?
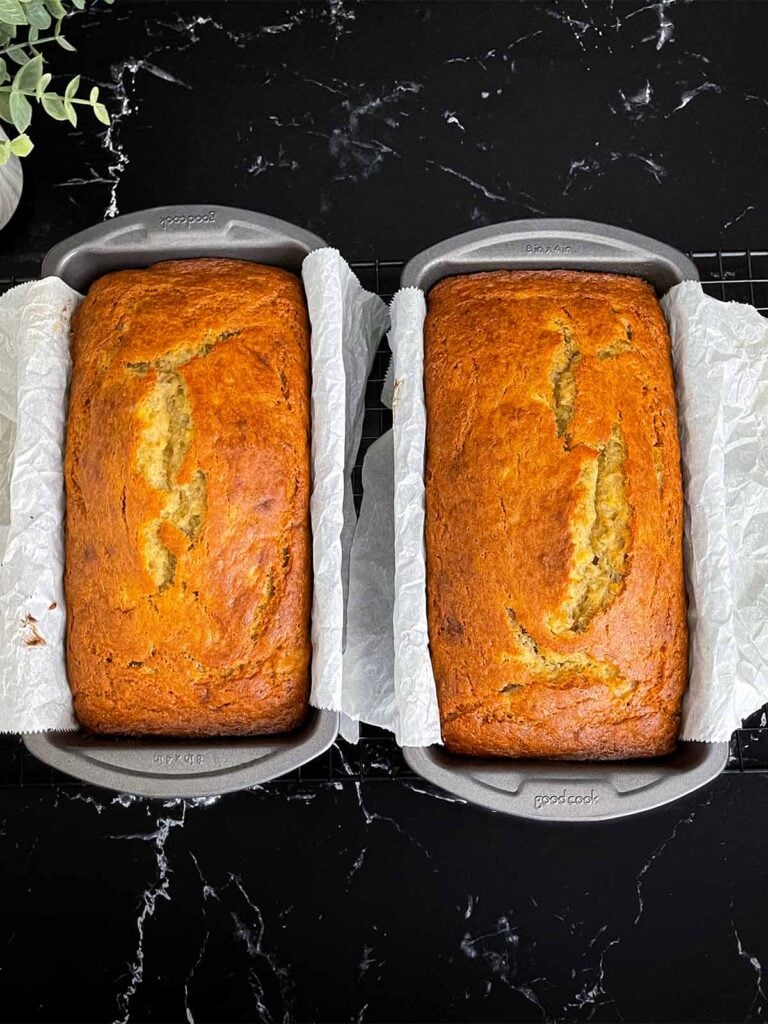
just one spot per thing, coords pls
(357, 894)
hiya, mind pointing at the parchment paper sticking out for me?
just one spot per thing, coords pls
(720, 353)
(388, 676)
(347, 326)
(34, 376)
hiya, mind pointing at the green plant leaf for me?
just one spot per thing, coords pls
(94, 94)
(37, 15)
(102, 114)
(4, 76)
(71, 113)
(12, 12)
(5, 107)
(29, 75)
(72, 86)
(79, 4)
(21, 111)
(17, 54)
(22, 145)
(32, 36)
(42, 84)
(7, 32)
(56, 8)
(53, 105)
(63, 43)
(5, 152)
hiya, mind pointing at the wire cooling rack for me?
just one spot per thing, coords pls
(740, 276)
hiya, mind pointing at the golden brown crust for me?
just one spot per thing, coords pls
(188, 563)
(556, 603)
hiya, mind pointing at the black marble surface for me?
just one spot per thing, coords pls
(356, 893)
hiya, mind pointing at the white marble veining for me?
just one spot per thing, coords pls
(371, 817)
(248, 930)
(593, 993)
(660, 850)
(476, 185)
(759, 1000)
(358, 155)
(122, 78)
(157, 889)
(691, 94)
(251, 935)
(578, 27)
(261, 164)
(665, 30)
(596, 165)
(451, 117)
(498, 950)
(637, 102)
(738, 217)
(188, 1015)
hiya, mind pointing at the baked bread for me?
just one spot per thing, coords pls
(188, 572)
(556, 601)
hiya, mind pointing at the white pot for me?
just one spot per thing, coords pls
(11, 180)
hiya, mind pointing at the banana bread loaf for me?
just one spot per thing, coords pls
(188, 572)
(556, 602)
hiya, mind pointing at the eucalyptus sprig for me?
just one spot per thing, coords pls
(27, 85)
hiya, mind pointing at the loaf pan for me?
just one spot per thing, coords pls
(165, 767)
(559, 790)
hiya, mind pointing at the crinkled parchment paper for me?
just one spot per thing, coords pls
(347, 326)
(720, 353)
(369, 657)
(34, 376)
(409, 702)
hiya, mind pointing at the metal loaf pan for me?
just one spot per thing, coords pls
(159, 767)
(560, 790)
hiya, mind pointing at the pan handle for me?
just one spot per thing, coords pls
(165, 768)
(177, 232)
(551, 244)
(562, 791)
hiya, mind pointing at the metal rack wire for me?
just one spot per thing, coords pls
(735, 276)
(740, 276)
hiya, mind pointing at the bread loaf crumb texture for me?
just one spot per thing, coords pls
(554, 510)
(187, 472)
